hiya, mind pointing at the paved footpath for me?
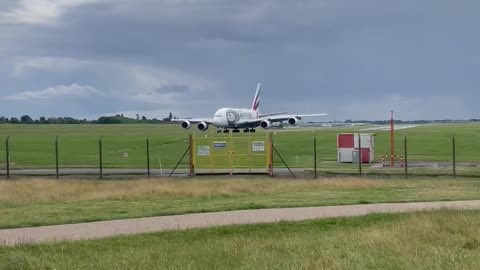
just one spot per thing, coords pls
(101, 229)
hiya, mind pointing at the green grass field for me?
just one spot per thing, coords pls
(32, 202)
(425, 240)
(32, 146)
(425, 143)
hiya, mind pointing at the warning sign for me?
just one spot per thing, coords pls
(203, 150)
(219, 145)
(258, 146)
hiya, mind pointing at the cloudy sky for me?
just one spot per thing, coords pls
(354, 59)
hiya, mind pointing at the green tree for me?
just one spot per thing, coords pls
(26, 119)
(14, 120)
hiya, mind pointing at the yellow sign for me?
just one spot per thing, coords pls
(232, 153)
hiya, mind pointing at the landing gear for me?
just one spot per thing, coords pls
(236, 130)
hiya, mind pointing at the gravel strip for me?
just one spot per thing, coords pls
(102, 229)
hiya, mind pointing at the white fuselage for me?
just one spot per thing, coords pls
(234, 118)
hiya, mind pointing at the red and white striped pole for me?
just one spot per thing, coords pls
(392, 145)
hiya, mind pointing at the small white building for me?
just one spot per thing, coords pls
(348, 147)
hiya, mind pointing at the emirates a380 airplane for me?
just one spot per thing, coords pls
(248, 119)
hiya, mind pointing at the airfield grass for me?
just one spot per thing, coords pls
(35, 202)
(423, 240)
(32, 146)
(426, 143)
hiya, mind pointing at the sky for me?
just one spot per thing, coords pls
(349, 58)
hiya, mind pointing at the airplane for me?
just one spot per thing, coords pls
(248, 119)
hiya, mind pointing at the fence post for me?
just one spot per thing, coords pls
(100, 154)
(453, 156)
(56, 158)
(405, 162)
(7, 152)
(148, 158)
(360, 154)
(315, 157)
(270, 154)
(190, 155)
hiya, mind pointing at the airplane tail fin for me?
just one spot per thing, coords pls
(256, 99)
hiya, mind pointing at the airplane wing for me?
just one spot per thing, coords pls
(272, 114)
(194, 120)
(273, 118)
(284, 117)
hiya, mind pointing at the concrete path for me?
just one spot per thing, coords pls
(93, 230)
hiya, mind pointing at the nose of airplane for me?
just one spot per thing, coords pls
(217, 117)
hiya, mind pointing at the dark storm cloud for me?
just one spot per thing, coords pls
(355, 59)
(168, 89)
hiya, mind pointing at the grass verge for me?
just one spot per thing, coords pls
(35, 202)
(424, 240)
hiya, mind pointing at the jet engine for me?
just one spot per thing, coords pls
(202, 126)
(265, 124)
(186, 124)
(293, 121)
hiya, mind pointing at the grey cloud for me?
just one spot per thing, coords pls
(65, 91)
(169, 89)
(310, 55)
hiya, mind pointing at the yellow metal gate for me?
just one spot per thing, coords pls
(231, 153)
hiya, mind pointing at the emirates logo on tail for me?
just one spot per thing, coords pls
(256, 99)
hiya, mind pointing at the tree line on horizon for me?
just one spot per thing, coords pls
(121, 119)
(116, 119)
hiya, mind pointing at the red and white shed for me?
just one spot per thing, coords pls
(348, 147)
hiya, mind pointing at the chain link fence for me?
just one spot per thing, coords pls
(312, 153)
